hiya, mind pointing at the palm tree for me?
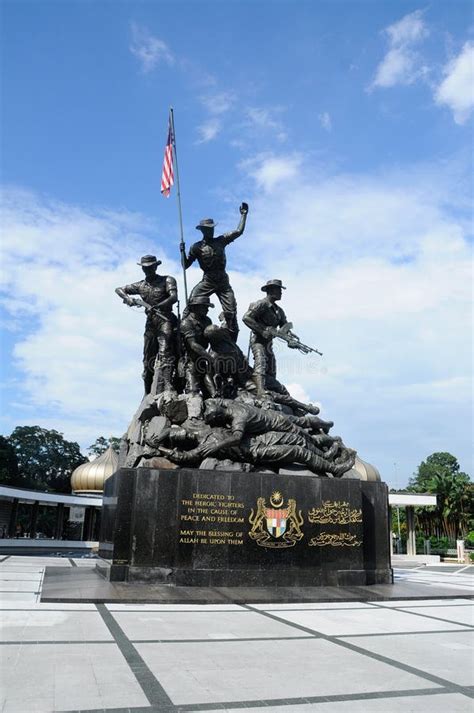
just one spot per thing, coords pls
(454, 493)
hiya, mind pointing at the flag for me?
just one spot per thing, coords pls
(167, 175)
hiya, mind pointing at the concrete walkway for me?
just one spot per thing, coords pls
(354, 657)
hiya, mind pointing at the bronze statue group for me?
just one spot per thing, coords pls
(204, 405)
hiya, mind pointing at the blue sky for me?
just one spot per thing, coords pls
(347, 126)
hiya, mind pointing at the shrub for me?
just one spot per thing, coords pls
(470, 539)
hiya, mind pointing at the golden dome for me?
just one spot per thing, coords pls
(361, 470)
(89, 478)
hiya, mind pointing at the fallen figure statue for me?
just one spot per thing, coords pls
(246, 434)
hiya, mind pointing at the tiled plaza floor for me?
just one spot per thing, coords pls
(339, 657)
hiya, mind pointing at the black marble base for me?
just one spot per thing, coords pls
(202, 528)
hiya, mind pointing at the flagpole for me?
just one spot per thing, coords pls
(178, 192)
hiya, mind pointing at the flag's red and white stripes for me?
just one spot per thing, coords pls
(167, 175)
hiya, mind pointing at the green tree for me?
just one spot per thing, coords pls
(101, 444)
(443, 464)
(439, 474)
(45, 459)
(9, 473)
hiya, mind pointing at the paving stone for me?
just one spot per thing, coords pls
(42, 625)
(239, 671)
(73, 676)
(201, 625)
(447, 655)
(461, 614)
(340, 622)
(439, 703)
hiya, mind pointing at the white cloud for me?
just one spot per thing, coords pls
(402, 63)
(270, 170)
(325, 120)
(218, 102)
(298, 393)
(209, 130)
(410, 29)
(397, 67)
(149, 50)
(266, 119)
(457, 88)
(217, 105)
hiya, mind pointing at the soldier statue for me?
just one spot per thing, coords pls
(263, 319)
(210, 254)
(199, 362)
(157, 294)
(230, 366)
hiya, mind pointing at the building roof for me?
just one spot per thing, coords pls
(25, 495)
(415, 499)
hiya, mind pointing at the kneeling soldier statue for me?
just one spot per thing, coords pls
(199, 362)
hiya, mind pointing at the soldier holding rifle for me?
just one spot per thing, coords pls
(267, 320)
(158, 294)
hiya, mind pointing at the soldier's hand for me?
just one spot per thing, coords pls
(182, 248)
(211, 358)
(206, 451)
(244, 208)
(129, 301)
(268, 332)
(175, 455)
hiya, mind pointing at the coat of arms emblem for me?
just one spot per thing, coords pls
(278, 525)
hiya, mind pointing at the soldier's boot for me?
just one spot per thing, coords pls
(232, 324)
(341, 468)
(209, 386)
(318, 424)
(314, 422)
(162, 380)
(344, 462)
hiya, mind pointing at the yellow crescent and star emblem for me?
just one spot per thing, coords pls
(278, 525)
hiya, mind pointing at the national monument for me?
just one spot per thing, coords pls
(224, 478)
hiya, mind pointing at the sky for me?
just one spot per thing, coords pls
(347, 126)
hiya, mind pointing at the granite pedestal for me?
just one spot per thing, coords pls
(189, 527)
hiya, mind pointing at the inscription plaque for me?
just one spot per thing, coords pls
(219, 528)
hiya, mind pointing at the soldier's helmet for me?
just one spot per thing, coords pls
(206, 223)
(200, 301)
(273, 283)
(212, 409)
(148, 261)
